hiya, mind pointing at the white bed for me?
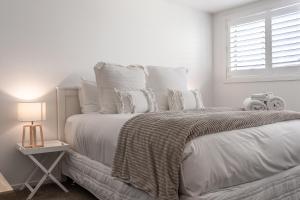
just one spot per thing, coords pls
(254, 163)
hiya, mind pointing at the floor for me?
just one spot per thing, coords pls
(52, 192)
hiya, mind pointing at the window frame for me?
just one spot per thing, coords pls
(268, 73)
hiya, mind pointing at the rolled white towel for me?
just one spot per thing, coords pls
(262, 96)
(276, 103)
(250, 104)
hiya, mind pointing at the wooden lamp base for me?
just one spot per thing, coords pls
(32, 136)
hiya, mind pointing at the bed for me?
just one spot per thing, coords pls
(269, 172)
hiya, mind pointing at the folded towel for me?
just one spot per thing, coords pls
(276, 103)
(262, 96)
(250, 104)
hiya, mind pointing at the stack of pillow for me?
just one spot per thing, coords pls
(137, 89)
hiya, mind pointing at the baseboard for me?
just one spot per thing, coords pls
(18, 186)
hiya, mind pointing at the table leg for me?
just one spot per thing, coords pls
(37, 187)
(47, 174)
(30, 176)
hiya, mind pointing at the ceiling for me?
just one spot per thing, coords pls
(214, 6)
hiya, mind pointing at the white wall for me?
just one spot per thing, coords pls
(233, 94)
(42, 43)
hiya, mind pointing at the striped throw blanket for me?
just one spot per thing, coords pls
(150, 146)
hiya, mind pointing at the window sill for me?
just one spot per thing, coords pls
(261, 78)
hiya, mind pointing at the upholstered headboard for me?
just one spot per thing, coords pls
(67, 105)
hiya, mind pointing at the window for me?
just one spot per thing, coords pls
(286, 40)
(247, 46)
(267, 43)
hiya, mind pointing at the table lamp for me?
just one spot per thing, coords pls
(33, 113)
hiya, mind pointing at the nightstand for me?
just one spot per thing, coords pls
(49, 147)
(4, 185)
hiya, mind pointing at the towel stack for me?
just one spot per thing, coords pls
(264, 101)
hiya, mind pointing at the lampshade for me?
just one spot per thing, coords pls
(30, 112)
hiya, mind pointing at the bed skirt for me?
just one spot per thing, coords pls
(96, 178)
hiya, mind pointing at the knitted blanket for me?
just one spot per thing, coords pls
(150, 146)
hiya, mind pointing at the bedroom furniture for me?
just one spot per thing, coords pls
(95, 176)
(32, 112)
(4, 185)
(54, 146)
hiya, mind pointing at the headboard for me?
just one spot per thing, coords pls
(67, 105)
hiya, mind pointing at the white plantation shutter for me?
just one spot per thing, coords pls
(286, 40)
(247, 45)
(265, 44)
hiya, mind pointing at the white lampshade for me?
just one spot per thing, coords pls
(30, 112)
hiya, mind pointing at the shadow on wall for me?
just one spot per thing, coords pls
(72, 80)
(8, 114)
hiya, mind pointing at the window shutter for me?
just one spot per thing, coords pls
(247, 45)
(286, 40)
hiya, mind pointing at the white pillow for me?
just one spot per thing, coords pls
(160, 79)
(136, 101)
(111, 76)
(185, 100)
(88, 97)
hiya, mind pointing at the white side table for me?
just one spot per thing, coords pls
(49, 147)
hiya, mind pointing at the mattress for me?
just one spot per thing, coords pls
(210, 163)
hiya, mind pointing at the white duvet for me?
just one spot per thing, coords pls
(210, 163)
